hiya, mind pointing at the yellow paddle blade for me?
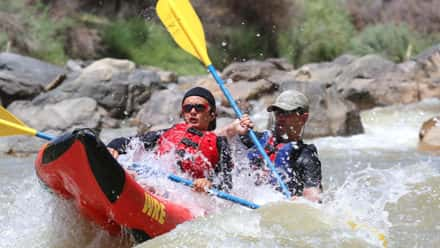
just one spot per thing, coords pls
(7, 116)
(185, 27)
(11, 125)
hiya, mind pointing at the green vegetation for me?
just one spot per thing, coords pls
(147, 43)
(395, 42)
(321, 33)
(239, 44)
(303, 31)
(3, 41)
(48, 36)
(43, 37)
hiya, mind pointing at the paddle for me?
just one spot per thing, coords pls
(145, 169)
(184, 25)
(218, 193)
(11, 125)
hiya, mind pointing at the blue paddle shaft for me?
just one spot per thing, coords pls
(147, 169)
(215, 192)
(44, 136)
(254, 138)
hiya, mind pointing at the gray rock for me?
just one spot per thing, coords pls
(163, 109)
(63, 116)
(114, 84)
(429, 136)
(251, 70)
(22, 78)
(108, 134)
(246, 91)
(21, 145)
(75, 65)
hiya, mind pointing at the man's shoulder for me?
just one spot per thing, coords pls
(308, 154)
(309, 148)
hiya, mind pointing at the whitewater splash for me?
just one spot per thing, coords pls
(362, 201)
(36, 218)
(356, 209)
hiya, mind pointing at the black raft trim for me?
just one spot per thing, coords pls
(57, 147)
(139, 235)
(107, 171)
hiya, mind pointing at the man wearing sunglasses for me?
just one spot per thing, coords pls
(199, 151)
(297, 163)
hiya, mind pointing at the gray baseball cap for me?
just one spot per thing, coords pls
(290, 100)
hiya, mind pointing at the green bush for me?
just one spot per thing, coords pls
(395, 42)
(3, 41)
(321, 33)
(43, 37)
(12, 6)
(121, 37)
(239, 44)
(147, 43)
(48, 37)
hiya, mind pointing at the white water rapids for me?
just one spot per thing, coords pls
(378, 189)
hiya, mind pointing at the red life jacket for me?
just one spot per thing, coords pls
(272, 149)
(196, 151)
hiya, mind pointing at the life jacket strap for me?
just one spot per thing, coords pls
(186, 141)
(194, 131)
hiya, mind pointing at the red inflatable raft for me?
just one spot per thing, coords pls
(78, 166)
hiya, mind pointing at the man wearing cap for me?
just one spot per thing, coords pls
(199, 151)
(297, 163)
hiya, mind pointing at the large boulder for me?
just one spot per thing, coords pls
(23, 78)
(252, 70)
(355, 78)
(427, 73)
(52, 119)
(115, 85)
(429, 136)
(372, 81)
(63, 116)
(161, 111)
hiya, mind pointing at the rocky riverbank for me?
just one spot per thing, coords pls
(117, 97)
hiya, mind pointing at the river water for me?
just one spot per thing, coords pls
(379, 191)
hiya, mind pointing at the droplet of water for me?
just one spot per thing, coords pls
(258, 35)
(224, 43)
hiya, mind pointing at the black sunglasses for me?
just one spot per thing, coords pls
(198, 107)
